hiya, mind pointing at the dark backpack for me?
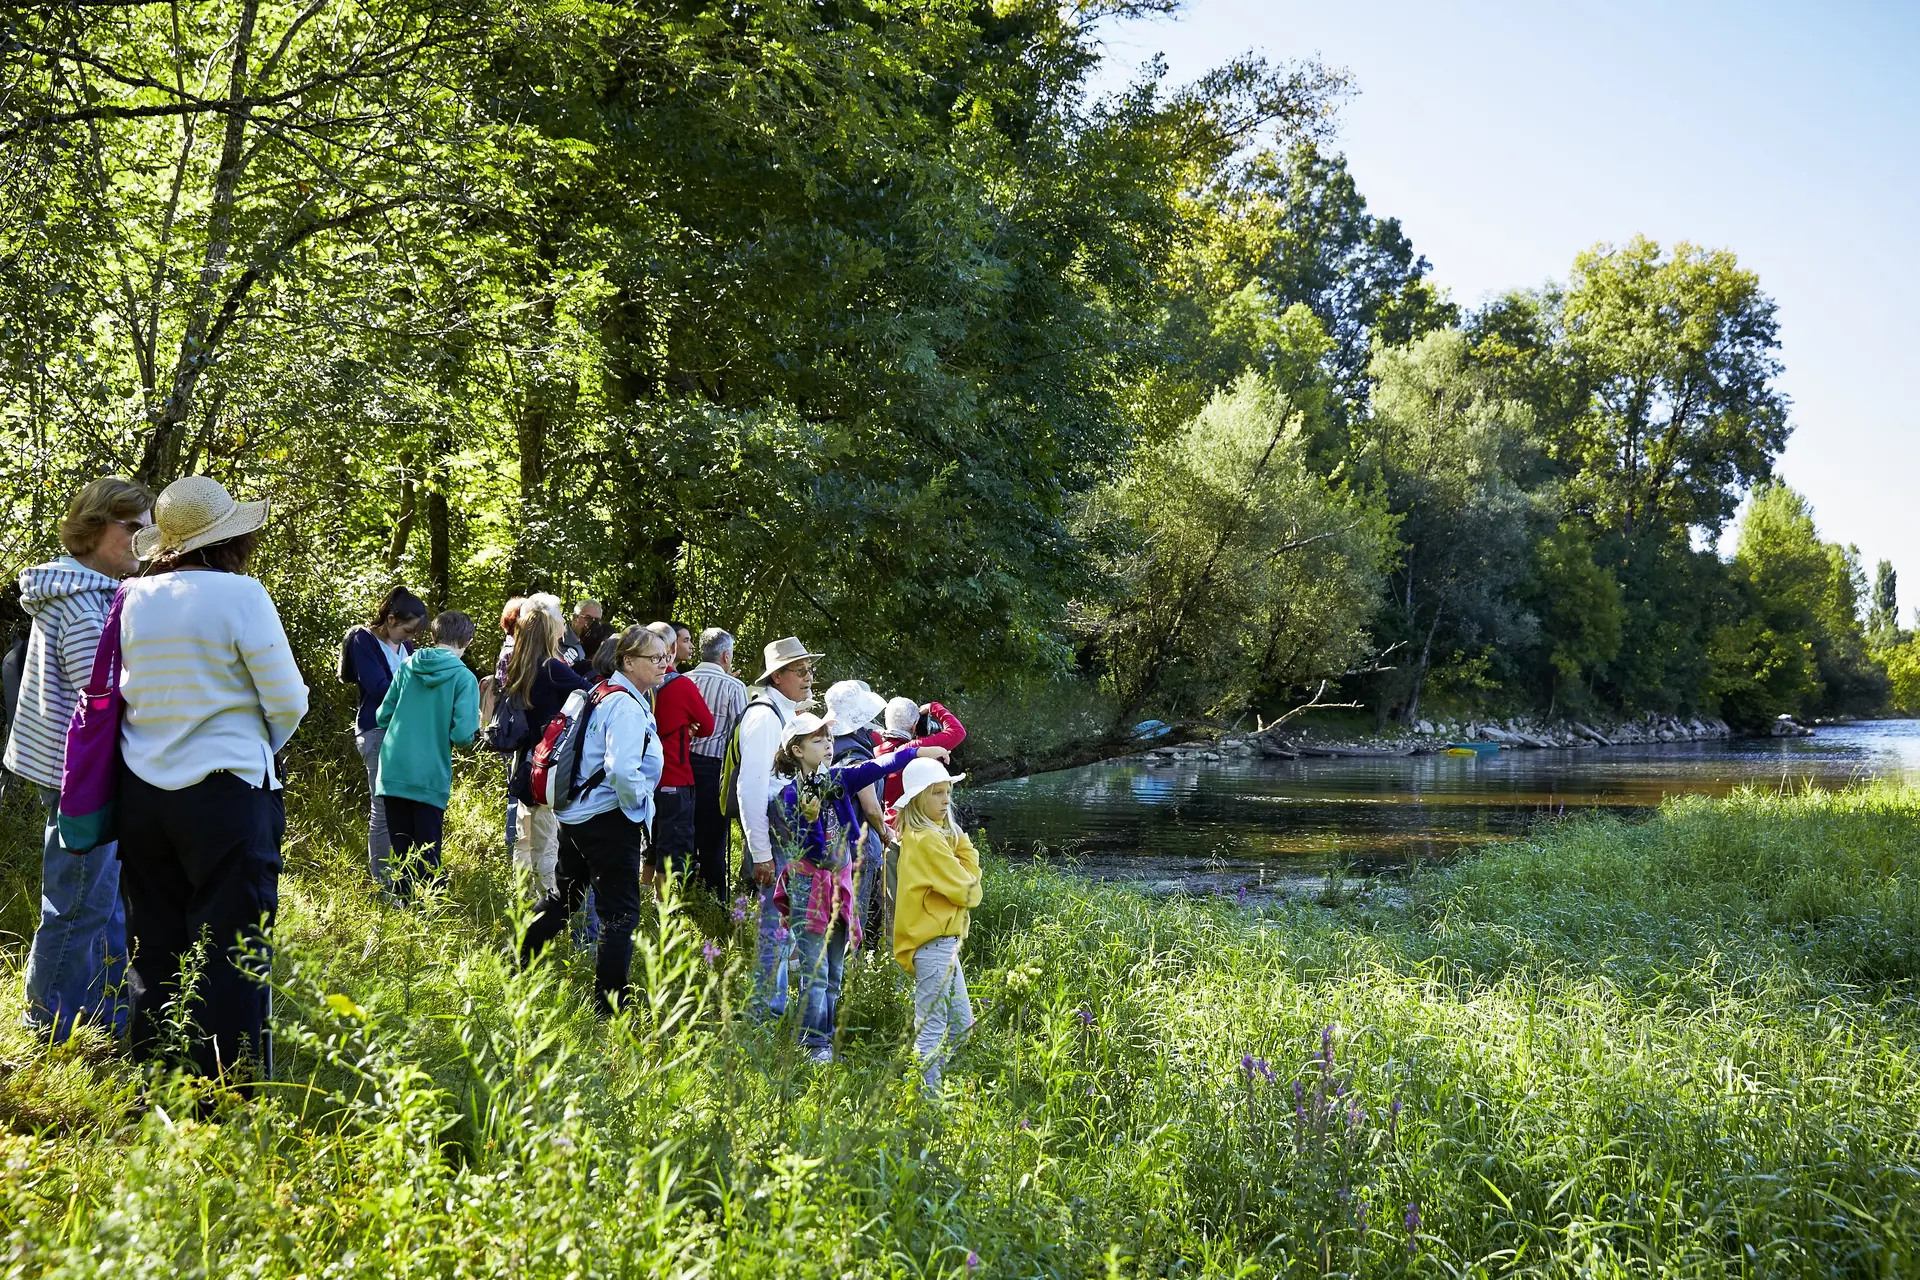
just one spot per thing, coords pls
(508, 729)
(730, 762)
(12, 669)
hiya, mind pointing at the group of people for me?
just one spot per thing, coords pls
(630, 764)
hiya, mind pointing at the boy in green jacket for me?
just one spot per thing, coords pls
(432, 706)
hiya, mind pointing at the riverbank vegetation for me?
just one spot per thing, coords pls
(880, 326)
(1682, 1047)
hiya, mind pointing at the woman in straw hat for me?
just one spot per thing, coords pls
(212, 694)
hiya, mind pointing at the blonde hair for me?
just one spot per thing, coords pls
(914, 818)
(98, 504)
(536, 641)
(632, 641)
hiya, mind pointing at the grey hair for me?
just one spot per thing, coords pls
(665, 631)
(713, 643)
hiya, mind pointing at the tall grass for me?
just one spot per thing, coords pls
(1679, 1047)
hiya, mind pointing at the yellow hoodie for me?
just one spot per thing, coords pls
(939, 880)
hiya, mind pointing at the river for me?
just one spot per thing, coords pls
(1281, 826)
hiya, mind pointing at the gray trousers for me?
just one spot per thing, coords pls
(942, 1011)
(379, 846)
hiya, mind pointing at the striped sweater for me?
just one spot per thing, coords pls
(68, 603)
(209, 679)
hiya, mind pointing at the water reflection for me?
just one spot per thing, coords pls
(1280, 825)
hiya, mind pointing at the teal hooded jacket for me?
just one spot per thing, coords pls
(432, 705)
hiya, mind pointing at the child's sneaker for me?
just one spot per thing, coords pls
(822, 1054)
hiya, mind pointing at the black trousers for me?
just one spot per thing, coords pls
(673, 830)
(202, 861)
(603, 851)
(415, 828)
(712, 829)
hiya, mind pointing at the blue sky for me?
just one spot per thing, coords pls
(1507, 137)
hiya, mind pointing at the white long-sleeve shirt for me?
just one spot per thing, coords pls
(208, 677)
(759, 739)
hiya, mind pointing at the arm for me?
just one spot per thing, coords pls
(759, 733)
(391, 703)
(699, 715)
(79, 640)
(952, 732)
(276, 677)
(566, 677)
(942, 868)
(858, 777)
(466, 711)
(633, 755)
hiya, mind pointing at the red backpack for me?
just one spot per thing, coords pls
(553, 771)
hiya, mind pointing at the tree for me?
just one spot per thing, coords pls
(1883, 615)
(1234, 569)
(1679, 354)
(1440, 451)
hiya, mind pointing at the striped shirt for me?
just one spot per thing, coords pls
(208, 677)
(726, 697)
(68, 603)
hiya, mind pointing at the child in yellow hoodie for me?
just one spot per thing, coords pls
(939, 882)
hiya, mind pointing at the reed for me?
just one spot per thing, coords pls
(1684, 1046)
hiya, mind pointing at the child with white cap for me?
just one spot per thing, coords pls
(814, 817)
(939, 887)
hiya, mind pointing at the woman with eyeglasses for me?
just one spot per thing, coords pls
(79, 950)
(603, 830)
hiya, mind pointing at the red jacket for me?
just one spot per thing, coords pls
(952, 733)
(682, 715)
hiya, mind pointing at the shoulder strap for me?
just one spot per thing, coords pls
(105, 677)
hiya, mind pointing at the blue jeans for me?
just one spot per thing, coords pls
(77, 966)
(870, 890)
(821, 959)
(771, 972)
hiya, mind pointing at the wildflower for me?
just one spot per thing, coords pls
(1240, 898)
(1024, 1125)
(1360, 1219)
(1413, 1225)
(711, 952)
(1265, 1069)
(973, 1262)
(1085, 1016)
(781, 933)
(1354, 1117)
(1326, 1045)
(740, 905)
(1246, 1063)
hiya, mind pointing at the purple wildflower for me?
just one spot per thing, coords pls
(973, 1262)
(781, 933)
(1355, 1115)
(1265, 1069)
(711, 952)
(1024, 1125)
(740, 905)
(1246, 1064)
(1360, 1219)
(1240, 898)
(1413, 1225)
(1085, 1016)
(1326, 1045)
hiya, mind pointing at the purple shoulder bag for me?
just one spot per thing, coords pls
(92, 774)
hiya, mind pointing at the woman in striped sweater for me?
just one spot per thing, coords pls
(212, 694)
(78, 957)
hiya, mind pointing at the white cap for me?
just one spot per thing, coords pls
(804, 725)
(901, 715)
(852, 705)
(921, 773)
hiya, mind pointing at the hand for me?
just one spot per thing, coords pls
(936, 753)
(810, 808)
(763, 873)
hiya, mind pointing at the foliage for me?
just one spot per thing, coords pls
(1684, 1039)
(1237, 569)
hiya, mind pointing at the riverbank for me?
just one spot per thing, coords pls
(1686, 1045)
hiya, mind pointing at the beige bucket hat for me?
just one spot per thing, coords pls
(783, 653)
(195, 512)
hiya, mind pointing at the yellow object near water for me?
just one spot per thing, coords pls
(1462, 751)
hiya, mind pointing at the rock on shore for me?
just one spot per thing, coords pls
(1426, 736)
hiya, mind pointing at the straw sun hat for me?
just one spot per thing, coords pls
(783, 653)
(195, 512)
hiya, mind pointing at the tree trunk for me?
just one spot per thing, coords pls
(160, 457)
(1412, 712)
(439, 573)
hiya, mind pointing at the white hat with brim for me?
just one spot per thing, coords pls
(195, 512)
(783, 653)
(921, 773)
(853, 705)
(804, 725)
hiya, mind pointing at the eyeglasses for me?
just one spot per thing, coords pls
(661, 659)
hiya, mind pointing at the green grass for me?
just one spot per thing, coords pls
(1685, 1046)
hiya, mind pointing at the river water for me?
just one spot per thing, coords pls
(1283, 825)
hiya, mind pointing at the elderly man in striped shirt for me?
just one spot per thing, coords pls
(726, 697)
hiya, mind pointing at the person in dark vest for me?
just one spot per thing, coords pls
(369, 657)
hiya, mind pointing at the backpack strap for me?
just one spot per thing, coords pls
(601, 692)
